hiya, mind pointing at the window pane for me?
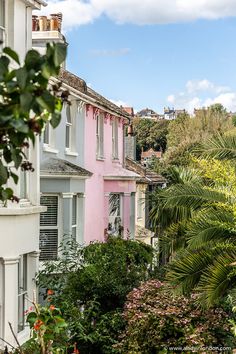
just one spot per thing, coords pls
(22, 291)
(46, 134)
(49, 217)
(68, 114)
(74, 210)
(68, 136)
(114, 205)
(2, 13)
(23, 185)
(48, 244)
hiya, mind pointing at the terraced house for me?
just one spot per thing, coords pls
(19, 222)
(88, 192)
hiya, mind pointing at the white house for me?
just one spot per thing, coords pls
(19, 222)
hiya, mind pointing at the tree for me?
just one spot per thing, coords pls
(150, 134)
(91, 285)
(185, 132)
(205, 208)
(27, 103)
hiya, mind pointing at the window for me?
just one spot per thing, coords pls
(68, 127)
(2, 23)
(74, 216)
(140, 205)
(99, 136)
(115, 215)
(46, 139)
(22, 291)
(115, 139)
(48, 240)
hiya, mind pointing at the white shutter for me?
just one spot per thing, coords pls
(48, 240)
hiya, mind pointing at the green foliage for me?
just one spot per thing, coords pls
(185, 132)
(27, 103)
(91, 285)
(157, 321)
(150, 134)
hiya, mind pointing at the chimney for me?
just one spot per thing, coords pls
(46, 29)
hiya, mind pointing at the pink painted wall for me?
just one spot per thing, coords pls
(98, 189)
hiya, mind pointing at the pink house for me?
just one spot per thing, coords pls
(110, 192)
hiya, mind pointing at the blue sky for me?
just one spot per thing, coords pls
(151, 56)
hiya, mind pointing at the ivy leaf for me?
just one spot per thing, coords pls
(3, 173)
(12, 54)
(59, 53)
(55, 119)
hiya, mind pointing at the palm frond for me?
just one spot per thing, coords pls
(211, 225)
(216, 281)
(192, 196)
(221, 147)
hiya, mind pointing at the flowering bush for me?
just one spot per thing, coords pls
(48, 330)
(156, 321)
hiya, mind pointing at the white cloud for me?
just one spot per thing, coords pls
(203, 93)
(79, 12)
(193, 86)
(120, 103)
(110, 53)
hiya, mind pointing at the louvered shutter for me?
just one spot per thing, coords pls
(48, 240)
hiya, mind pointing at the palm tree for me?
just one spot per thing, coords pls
(206, 261)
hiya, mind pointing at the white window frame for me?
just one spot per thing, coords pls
(115, 220)
(115, 152)
(22, 292)
(52, 227)
(68, 144)
(100, 136)
(74, 225)
(3, 24)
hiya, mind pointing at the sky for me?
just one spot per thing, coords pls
(153, 53)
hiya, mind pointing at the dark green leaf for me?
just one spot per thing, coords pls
(3, 173)
(7, 193)
(59, 54)
(26, 99)
(21, 75)
(14, 177)
(20, 125)
(16, 157)
(4, 62)
(12, 54)
(46, 101)
(32, 60)
(55, 120)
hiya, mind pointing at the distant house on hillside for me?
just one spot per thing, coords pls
(171, 113)
(147, 113)
(146, 156)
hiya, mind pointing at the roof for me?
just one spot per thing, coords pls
(121, 173)
(150, 153)
(79, 84)
(147, 112)
(55, 167)
(129, 110)
(146, 175)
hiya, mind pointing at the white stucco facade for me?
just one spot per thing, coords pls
(19, 222)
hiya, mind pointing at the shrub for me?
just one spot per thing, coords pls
(156, 321)
(91, 285)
